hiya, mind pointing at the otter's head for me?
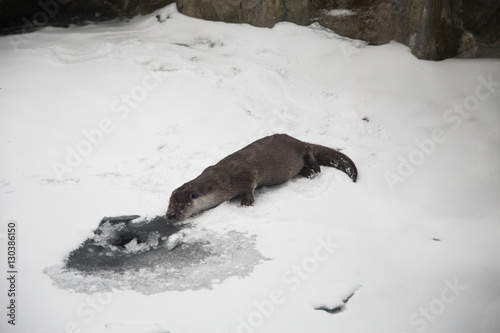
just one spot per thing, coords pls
(182, 203)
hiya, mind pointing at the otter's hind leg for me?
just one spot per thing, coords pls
(311, 167)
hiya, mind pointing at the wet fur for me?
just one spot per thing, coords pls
(269, 161)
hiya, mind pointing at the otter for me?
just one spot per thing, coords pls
(269, 161)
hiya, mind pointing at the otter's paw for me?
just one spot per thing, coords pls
(307, 172)
(247, 200)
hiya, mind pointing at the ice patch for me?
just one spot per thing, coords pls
(154, 256)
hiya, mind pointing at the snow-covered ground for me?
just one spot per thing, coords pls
(107, 120)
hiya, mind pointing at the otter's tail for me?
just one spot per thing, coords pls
(331, 157)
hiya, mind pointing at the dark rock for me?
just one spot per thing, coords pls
(119, 219)
(433, 29)
(330, 310)
(20, 16)
(110, 248)
(376, 23)
(481, 22)
(255, 12)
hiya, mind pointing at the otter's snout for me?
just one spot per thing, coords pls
(175, 212)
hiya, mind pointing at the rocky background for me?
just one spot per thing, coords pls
(433, 29)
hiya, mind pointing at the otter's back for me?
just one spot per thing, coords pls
(274, 159)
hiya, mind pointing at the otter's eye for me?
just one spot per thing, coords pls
(194, 196)
(182, 206)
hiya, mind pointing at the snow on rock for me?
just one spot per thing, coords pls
(338, 12)
(333, 296)
(132, 235)
(174, 240)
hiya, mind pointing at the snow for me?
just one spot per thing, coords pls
(107, 120)
(338, 12)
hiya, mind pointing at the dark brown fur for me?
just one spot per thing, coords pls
(269, 161)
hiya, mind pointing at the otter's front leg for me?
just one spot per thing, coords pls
(247, 199)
